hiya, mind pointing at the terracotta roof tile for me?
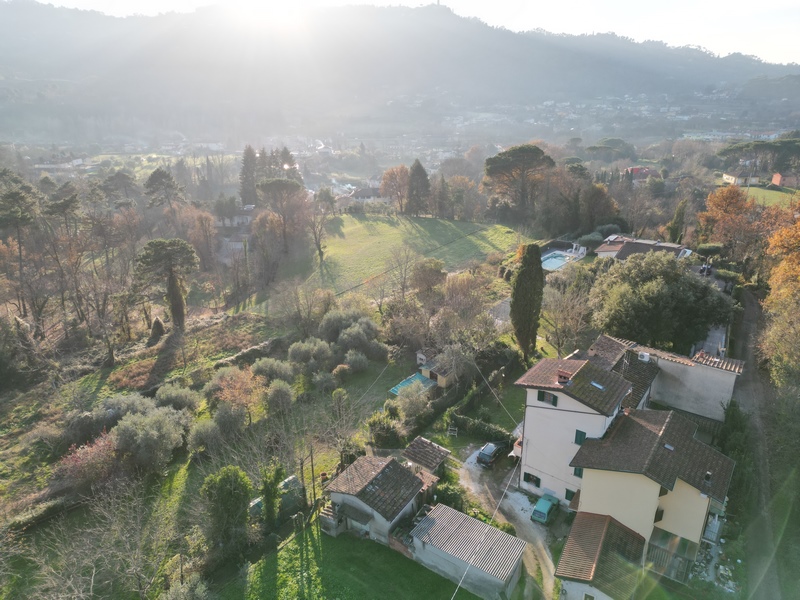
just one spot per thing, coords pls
(597, 388)
(726, 364)
(638, 247)
(662, 446)
(383, 484)
(602, 551)
(425, 453)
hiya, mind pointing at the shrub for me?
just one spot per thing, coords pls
(177, 397)
(452, 494)
(148, 440)
(341, 373)
(591, 240)
(157, 331)
(384, 432)
(272, 368)
(324, 382)
(607, 230)
(377, 351)
(81, 427)
(279, 398)
(205, 436)
(228, 492)
(392, 408)
(192, 588)
(413, 401)
(86, 465)
(220, 380)
(356, 361)
(311, 355)
(708, 250)
(336, 321)
(485, 414)
(230, 420)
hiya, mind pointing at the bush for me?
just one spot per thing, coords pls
(707, 250)
(377, 351)
(220, 380)
(192, 588)
(271, 369)
(607, 230)
(392, 408)
(356, 361)
(157, 331)
(485, 414)
(88, 464)
(311, 355)
(228, 492)
(324, 382)
(452, 495)
(82, 427)
(230, 420)
(148, 440)
(591, 241)
(336, 321)
(177, 397)
(341, 373)
(205, 436)
(280, 397)
(385, 432)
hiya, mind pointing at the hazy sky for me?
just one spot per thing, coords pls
(767, 29)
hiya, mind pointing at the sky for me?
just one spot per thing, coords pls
(768, 29)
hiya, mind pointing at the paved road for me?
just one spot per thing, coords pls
(487, 485)
(752, 392)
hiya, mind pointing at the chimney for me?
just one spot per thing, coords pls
(564, 376)
(707, 477)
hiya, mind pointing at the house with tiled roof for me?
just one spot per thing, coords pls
(621, 247)
(426, 455)
(469, 552)
(741, 177)
(567, 401)
(701, 385)
(602, 559)
(372, 495)
(651, 474)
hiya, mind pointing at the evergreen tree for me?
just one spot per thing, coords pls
(247, 177)
(419, 189)
(443, 201)
(526, 298)
(228, 492)
(676, 226)
(172, 260)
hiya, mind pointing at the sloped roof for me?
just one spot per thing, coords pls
(380, 483)
(597, 388)
(425, 453)
(640, 247)
(603, 552)
(662, 446)
(482, 546)
(639, 373)
(725, 364)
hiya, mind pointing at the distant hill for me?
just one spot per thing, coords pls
(78, 75)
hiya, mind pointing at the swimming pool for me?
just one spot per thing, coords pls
(426, 383)
(554, 261)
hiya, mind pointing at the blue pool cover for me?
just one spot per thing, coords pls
(426, 383)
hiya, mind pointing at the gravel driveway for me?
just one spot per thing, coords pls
(487, 485)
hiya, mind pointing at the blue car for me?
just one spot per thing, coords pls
(545, 509)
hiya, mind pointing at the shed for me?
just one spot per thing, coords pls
(487, 561)
(425, 455)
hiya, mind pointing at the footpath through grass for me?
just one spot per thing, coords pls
(315, 565)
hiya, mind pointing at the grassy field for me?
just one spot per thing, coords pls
(358, 246)
(314, 565)
(770, 197)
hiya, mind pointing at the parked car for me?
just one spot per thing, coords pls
(545, 509)
(490, 452)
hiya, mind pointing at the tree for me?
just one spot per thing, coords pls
(442, 200)
(225, 208)
(303, 306)
(565, 312)
(419, 189)
(271, 477)
(675, 228)
(597, 207)
(400, 267)
(511, 174)
(162, 189)
(18, 208)
(285, 197)
(318, 220)
(228, 492)
(656, 300)
(526, 298)
(394, 185)
(247, 177)
(172, 260)
(148, 439)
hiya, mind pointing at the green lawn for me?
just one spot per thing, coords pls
(315, 565)
(358, 246)
(770, 197)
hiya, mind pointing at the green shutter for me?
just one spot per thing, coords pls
(555, 399)
(580, 437)
(578, 472)
(569, 495)
(540, 397)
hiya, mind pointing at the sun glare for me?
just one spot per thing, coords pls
(282, 16)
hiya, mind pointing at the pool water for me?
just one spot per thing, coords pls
(554, 261)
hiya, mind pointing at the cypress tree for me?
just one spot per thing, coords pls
(526, 298)
(247, 177)
(419, 189)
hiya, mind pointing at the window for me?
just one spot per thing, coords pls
(547, 398)
(531, 478)
(569, 495)
(578, 471)
(588, 597)
(580, 437)
(659, 515)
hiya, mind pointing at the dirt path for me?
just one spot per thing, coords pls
(487, 485)
(752, 392)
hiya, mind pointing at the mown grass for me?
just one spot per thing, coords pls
(315, 565)
(770, 197)
(359, 246)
